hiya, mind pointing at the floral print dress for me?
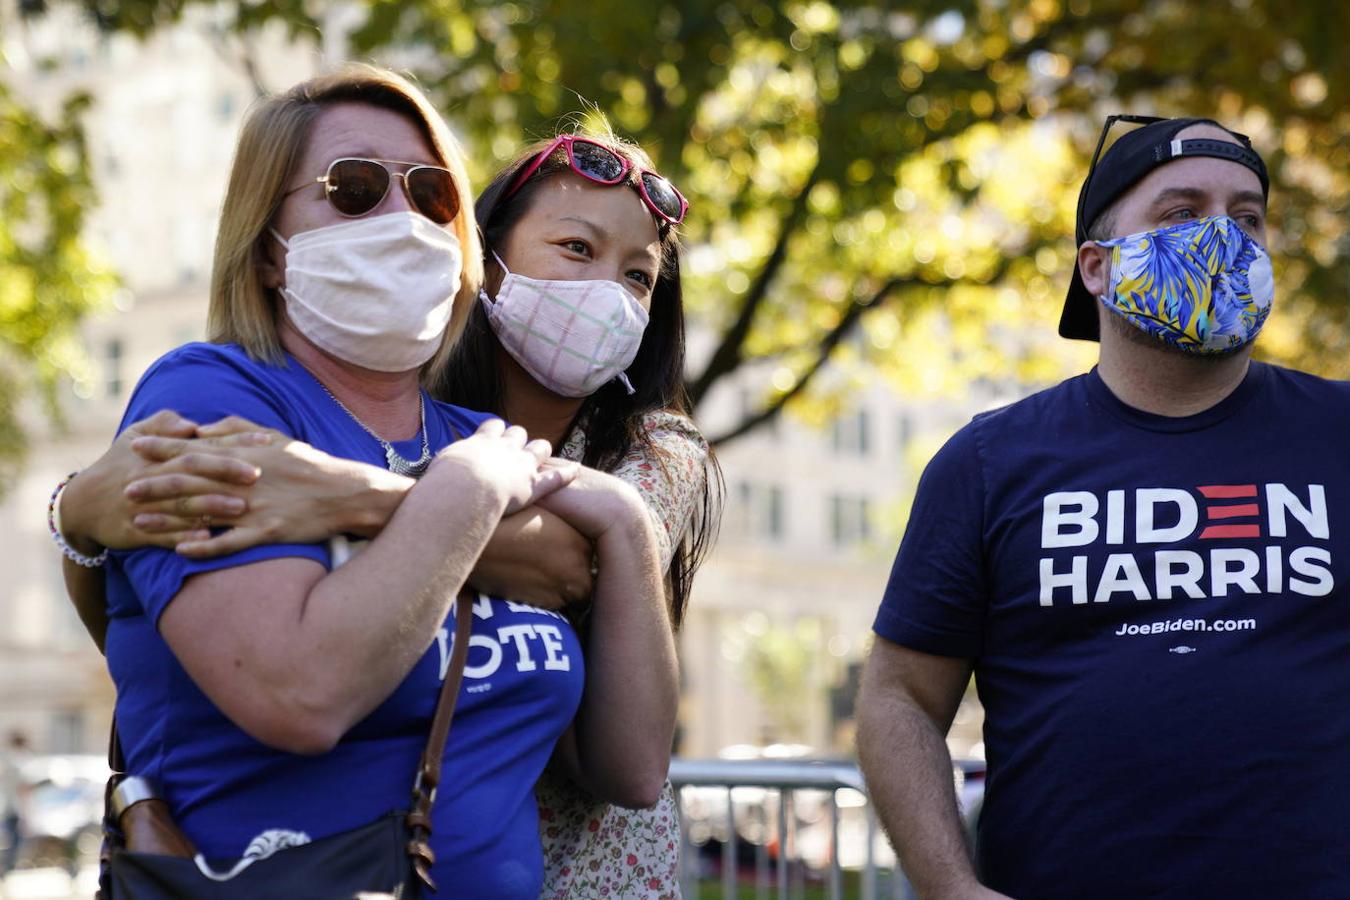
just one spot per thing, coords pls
(593, 849)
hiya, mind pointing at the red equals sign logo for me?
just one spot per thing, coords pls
(1224, 512)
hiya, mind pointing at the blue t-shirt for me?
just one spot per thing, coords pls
(1152, 608)
(522, 683)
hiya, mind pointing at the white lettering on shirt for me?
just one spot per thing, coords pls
(1167, 579)
(1302, 561)
(1121, 573)
(1313, 517)
(1075, 579)
(517, 636)
(1146, 499)
(1057, 517)
(1222, 575)
(1221, 529)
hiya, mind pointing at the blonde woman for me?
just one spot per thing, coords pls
(275, 688)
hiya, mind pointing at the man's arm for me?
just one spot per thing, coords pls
(905, 707)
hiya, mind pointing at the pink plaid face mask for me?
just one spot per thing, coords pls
(573, 337)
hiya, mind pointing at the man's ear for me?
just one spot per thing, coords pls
(1094, 265)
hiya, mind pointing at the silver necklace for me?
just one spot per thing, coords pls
(396, 463)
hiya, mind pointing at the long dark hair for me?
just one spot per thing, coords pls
(611, 417)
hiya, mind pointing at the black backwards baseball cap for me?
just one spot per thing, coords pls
(1123, 166)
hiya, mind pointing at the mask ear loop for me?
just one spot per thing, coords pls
(285, 245)
(483, 297)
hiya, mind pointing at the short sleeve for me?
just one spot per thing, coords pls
(204, 383)
(670, 475)
(936, 597)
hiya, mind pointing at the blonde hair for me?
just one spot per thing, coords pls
(271, 143)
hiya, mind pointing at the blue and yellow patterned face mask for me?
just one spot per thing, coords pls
(1204, 286)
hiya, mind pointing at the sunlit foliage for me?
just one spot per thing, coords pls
(48, 280)
(890, 186)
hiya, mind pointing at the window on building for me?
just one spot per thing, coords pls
(112, 367)
(763, 511)
(736, 516)
(904, 431)
(850, 434)
(850, 520)
(774, 520)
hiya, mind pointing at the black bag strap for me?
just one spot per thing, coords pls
(429, 769)
(112, 840)
(117, 764)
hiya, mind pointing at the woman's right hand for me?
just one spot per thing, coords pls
(303, 495)
(99, 510)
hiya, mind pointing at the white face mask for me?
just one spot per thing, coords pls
(571, 336)
(376, 291)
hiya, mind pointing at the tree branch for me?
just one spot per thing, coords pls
(832, 340)
(827, 344)
(242, 56)
(730, 352)
(656, 94)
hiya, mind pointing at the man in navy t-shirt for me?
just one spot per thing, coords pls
(1143, 567)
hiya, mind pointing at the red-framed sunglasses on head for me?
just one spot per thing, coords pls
(594, 161)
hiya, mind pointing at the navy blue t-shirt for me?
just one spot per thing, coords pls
(522, 683)
(1154, 610)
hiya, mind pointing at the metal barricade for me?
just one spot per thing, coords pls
(781, 789)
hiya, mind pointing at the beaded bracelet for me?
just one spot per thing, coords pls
(75, 556)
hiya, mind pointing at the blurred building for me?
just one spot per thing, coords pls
(781, 613)
(161, 133)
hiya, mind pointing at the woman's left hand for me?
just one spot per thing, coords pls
(595, 502)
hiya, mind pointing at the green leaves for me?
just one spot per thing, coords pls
(48, 279)
(889, 188)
